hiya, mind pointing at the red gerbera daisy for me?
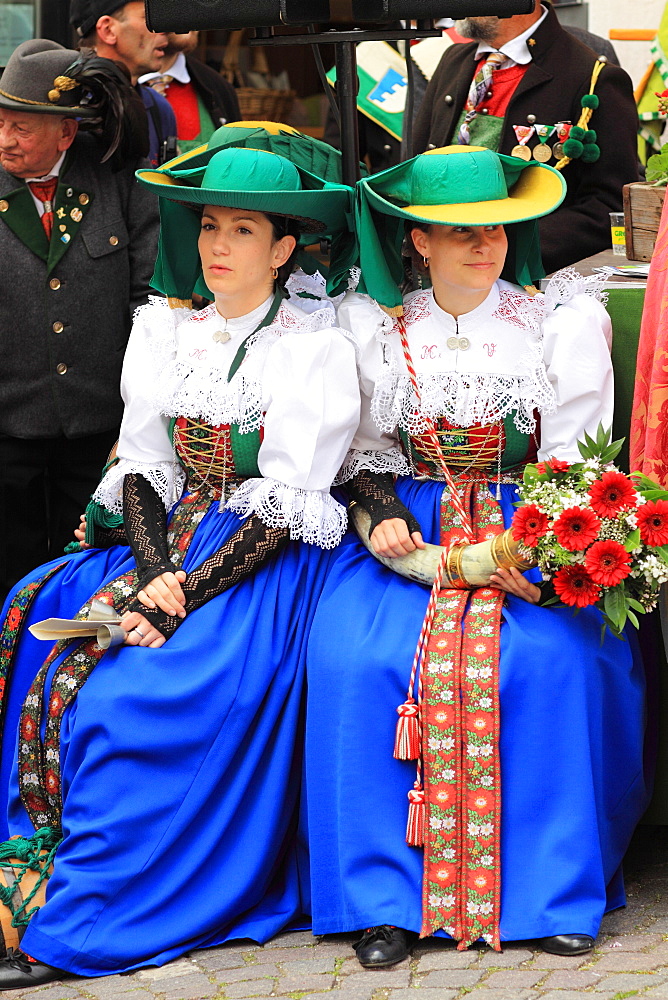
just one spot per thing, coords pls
(612, 493)
(557, 465)
(608, 563)
(529, 524)
(576, 528)
(653, 522)
(575, 587)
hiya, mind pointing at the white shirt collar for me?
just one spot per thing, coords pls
(517, 49)
(53, 172)
(178, 70)
(470, 320)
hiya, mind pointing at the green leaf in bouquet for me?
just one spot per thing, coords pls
(662, 552)
(614, 604)
(655, 494)
(602, 436)
(633, 541)
(633, 618)
(657, 168)
(531, 475)
(610, 453)
(636, 605)
(587, 448)
(647, 487)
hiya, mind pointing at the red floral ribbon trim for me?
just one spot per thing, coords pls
(12, 628)
(39, 765)
(460, 749)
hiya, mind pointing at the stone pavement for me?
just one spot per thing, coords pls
(630, 960)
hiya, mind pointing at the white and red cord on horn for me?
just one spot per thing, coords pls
(408, 740)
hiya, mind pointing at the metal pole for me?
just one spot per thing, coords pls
(347, 86)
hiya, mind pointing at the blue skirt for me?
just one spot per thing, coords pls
(181, 768)
(571, 750)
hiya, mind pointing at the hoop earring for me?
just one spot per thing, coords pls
(274, 273)
(425, 261)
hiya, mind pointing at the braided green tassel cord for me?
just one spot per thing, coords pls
(24, 854)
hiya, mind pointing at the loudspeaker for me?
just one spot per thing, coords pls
(174, 15)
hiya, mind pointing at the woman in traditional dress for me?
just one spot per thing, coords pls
(531, 773)
(174, 771)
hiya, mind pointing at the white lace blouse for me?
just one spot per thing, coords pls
(297, 382)
(512, 354)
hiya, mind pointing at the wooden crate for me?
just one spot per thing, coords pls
(643, 205)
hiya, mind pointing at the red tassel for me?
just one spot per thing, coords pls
(407, 739)
(416, 817)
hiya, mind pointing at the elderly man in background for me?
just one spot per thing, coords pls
(201, 99)
(118, 31)
(518, 89)
(78, 240)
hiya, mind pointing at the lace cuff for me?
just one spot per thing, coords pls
(567, 283)
(166, 478)
(311, 515)
(393, 461)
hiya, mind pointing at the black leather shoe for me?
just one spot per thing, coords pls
(382, 946)
(567, 944)
(17, 971)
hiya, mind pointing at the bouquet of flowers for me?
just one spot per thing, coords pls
(599, 536)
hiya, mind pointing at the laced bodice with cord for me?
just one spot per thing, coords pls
(253, 414)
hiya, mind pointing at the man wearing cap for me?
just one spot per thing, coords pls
(519, 88)
(118, 31)
(78, 241)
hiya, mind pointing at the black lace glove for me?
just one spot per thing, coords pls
(248, 549)
(105, 538)
(376, 493)
(146, 528)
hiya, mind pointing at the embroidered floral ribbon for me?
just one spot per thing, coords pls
(459, 708)
(39, 765)
(12, 628)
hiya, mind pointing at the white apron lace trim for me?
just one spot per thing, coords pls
(311, 515)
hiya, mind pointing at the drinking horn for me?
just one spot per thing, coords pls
(468, 566)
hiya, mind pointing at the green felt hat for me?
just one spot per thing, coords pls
(305, 152)
(237, 177)
(453, 186)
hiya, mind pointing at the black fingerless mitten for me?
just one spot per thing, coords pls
(248, 549)
(105, 538)
(376, 493)
(146, 528)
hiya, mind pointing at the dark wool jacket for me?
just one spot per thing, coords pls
(219, 97)
(66, 307)
(551, 89)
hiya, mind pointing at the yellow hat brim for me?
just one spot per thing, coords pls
(537, 192)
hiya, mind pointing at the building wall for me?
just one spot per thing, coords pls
(607, 14)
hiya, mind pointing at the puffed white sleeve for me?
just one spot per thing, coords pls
(576, 338)
(144, 444)
(374, 448)
(312, 404)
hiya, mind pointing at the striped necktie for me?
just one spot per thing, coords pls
(161, 83)
(480, 87)
(45, 191)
